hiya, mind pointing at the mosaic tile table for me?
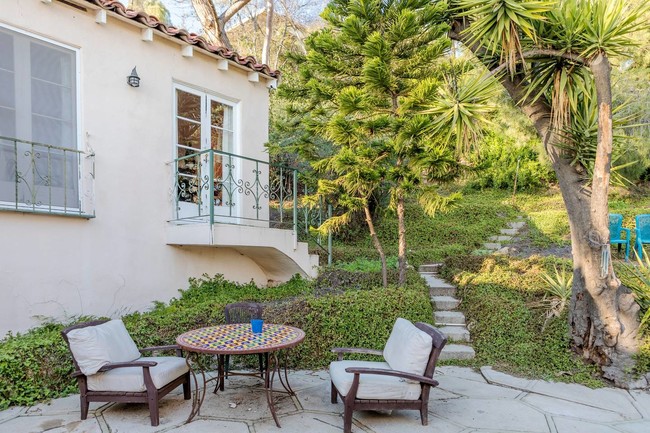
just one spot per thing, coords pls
(238, 339)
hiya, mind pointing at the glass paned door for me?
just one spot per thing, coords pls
(204, 140)
(224, 169)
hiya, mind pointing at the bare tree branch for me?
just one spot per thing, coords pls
(232, 10)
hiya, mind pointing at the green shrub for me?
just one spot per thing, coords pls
(501, 160)
(34, 366)
(497, 294)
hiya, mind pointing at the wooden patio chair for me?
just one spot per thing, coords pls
(402, 381)
(109, 367)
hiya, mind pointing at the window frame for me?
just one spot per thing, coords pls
(76, 85)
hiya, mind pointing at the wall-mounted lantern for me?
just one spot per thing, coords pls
(133, 80)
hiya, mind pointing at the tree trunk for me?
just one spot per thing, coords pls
(377, 244)
(209, 19)
(268, 33)
(401, 237)
(603, 315)
(214, 25)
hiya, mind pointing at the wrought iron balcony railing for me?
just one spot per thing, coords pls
(42, 178)
(219, 187)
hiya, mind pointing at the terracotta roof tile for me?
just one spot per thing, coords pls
(182, 34)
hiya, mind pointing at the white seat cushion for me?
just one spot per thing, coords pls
(131, 379)
(408, 348)
(95, 346)
(371, 386)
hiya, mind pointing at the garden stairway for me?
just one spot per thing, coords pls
(446, 318)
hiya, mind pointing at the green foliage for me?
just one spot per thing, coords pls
(365, 265)
(501, 161)
(434, 238)
(637, 278)
(355, 319)
(506, 333)
(34, 366)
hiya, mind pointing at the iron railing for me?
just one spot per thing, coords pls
(42, 178)
(212, 186)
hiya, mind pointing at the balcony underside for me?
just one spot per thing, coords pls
(273, 250)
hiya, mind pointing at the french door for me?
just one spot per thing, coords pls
(205, 167)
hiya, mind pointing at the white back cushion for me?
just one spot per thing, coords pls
(95, 346)
(407, 348)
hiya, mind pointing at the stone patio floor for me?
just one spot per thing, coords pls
(466, 401)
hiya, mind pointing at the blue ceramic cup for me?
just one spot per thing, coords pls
(256, 325)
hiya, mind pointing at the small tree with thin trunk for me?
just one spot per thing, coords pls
(370, 77)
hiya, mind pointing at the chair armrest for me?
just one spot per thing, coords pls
(360, 350)
(175, 347)
(384, 372)
(114, 365)
(628, 236)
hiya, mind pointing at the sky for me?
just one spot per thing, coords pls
(182, 13)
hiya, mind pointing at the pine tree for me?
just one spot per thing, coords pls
(366, 85)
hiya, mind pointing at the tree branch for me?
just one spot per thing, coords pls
(544, 53)
(232, 10)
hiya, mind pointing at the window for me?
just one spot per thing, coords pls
(205, 132)
(39, 157)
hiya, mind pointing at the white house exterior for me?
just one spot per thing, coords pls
(128, 191)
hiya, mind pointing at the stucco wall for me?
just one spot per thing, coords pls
(54, 266)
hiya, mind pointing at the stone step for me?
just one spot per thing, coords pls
(435, 282)
(442, 291)
(516, 225)
(430, 267)
(500, 238)
(455, 332)
(509, 232)
(456, 351)
(493, 246)
(449, 318)
(445, 302)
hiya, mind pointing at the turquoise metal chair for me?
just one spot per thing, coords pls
(615, 230)
(642, 232)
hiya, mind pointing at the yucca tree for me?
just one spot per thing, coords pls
(549, 55)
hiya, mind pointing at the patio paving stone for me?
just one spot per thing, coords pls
(506, 415)
(467, 401)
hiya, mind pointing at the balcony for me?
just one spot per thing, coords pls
(226, 200)
(45, 179)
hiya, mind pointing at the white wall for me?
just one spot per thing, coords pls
(52, 266)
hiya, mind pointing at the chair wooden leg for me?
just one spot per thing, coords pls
(84, 406)
(334, 393)
(347, 419)
(424, 413)
(83, 397)
(154, 414)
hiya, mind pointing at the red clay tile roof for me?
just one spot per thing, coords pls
(182, 34)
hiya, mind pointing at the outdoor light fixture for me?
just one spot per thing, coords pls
(133, 80)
